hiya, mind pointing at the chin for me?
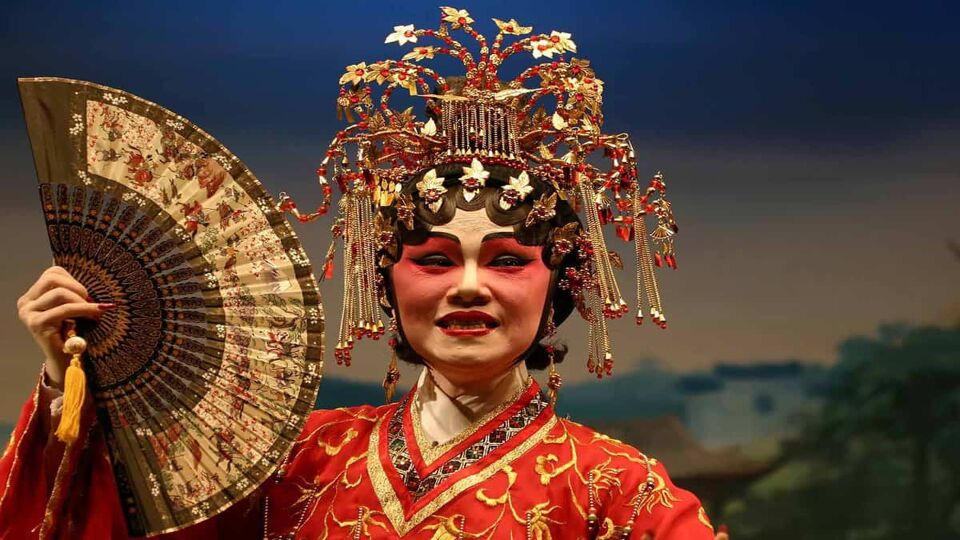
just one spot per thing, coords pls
(476, 353)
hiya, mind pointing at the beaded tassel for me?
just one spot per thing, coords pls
(361, 315)
(592, 520)
(646, 279)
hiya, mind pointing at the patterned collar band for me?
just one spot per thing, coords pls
(480, 121)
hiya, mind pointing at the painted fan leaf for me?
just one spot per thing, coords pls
(204, 374)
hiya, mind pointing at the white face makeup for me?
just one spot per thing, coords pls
(471, 297)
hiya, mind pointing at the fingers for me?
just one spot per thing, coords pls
(54, 317)
(52, 299)
(52, 278)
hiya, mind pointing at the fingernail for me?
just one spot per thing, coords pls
(106, 307)
(89, 298)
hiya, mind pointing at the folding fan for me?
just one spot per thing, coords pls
(204, 374)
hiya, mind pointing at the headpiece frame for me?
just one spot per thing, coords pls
(488, 122)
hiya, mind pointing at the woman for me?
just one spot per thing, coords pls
(479, 257)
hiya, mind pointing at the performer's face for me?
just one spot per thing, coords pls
(471, 297)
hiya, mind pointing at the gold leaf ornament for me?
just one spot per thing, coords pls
(558, 121)
(431, 190)
(512, 27)
(402, 34)
(456, 17)
(429, 128)
(515, 191)
(421, 53)
(355, 73)
(474, 177)
(543, 209)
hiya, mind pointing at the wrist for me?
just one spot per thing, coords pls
(53, 375)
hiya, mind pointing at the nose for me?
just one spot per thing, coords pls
(470, 290)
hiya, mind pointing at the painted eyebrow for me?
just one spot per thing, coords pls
(455, 239)
(497, 236)
(445, 236)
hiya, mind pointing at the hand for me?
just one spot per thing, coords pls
(55, 297)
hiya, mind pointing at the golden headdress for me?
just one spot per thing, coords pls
(488, 122)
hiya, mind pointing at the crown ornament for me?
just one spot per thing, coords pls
(546, 123)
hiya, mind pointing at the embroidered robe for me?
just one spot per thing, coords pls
(365, 472)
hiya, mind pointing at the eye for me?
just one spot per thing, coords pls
(435, 260)
(509, 261)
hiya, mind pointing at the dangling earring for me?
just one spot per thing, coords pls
(554, 381)
(392, 377)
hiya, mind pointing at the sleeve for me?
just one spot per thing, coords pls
(650, 507)
(58, 492)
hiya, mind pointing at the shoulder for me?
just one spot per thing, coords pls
(344, 419)
(597, 444)
(636, 487)
(331, 436)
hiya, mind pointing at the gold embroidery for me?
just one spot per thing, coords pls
(559, 439)
(642, 460)
(609, 530)
(305, 436)
(537, 521)
(606, 477)
(352, 413)
(390, 503)
(659, 495)
(364, 520)
(511, 478)
(346, 481)
(601, 437)
(447, 528)
(574, 497)
(547, 467)
(334, 449)
(702, 516)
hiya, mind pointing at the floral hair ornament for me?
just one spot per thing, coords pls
(431, 189)
(474, 177)
(545, 122)
(515, 191)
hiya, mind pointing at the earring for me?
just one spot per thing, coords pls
(392, 377)
(554, 381)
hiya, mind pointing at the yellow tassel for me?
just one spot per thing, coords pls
(74, 389)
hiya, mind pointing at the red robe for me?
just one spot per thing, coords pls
(361, 472)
